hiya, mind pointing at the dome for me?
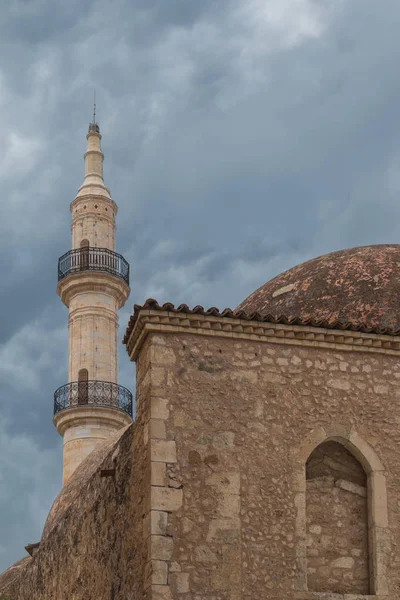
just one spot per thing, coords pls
(357, 288)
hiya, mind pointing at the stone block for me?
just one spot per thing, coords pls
(339, 384)
(156, 572)
(157, 375)
(159, 408)
(160, 547)
(158, 473)
(351, 487)
(157, 429)
(168, 499)
(180, 582)
(155, 523)
(344, 562)
(161, 592)
(163, 451)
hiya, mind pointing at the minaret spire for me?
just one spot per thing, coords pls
(94, 181)
(93, 281)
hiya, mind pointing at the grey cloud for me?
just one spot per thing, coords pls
(238, 143)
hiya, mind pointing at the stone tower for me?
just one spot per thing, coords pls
(93, 281)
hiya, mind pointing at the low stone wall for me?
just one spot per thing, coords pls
(92, 544)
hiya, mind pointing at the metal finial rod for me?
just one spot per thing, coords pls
(94, 107)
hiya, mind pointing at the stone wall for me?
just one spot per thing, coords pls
(211, 498)
(92, 546)
(231, 424)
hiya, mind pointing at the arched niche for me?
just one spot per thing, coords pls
(336, 521)
(378, 538)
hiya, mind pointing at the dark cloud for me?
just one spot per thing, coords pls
(241, 137)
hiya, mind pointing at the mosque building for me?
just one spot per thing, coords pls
(263, 462)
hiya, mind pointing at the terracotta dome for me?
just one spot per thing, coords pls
(358, 288)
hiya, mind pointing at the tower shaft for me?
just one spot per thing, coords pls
(94, 284)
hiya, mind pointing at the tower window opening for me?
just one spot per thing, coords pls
(83, 385)
(337, 521)
(84, 254)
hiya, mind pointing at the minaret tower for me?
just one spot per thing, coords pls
(93, 281)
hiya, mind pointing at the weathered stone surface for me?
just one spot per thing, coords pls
(161, 592)
(336, 287)
(159, 408)
(238, 525)
(156, 573)
(158, 473)
(163, 451)
(96, 518)
(179, 583)
(238, 445)
(160, 547)
(155, 523)
(168, 499)
(10, 579)
(351, 487)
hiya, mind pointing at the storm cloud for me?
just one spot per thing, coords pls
(241, 137)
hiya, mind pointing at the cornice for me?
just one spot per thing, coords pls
(171, 322)
(91, 311)
(87, 198)
(93, 281)
(76, 416)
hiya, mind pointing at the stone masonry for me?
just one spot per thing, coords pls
(93, 296)
(232, 422)
(248, 454)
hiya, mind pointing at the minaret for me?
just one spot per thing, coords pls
(93, 281)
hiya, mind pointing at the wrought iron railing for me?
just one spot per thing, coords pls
(93, 259)
(93, 393)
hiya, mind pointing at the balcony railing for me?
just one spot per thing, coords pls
(93, 393)
(93, 259)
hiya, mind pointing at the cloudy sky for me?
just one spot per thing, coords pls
(241, 137)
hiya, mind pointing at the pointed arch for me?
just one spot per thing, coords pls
(378, 537)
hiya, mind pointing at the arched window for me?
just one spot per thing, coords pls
(83, 385)
(341, 513)
(337, 521)
(84, 254)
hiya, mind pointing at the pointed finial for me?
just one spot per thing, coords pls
(93, 127)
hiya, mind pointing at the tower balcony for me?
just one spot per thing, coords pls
(93, 259)
(90, 394)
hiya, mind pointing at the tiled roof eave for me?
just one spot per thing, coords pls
(153, 305)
